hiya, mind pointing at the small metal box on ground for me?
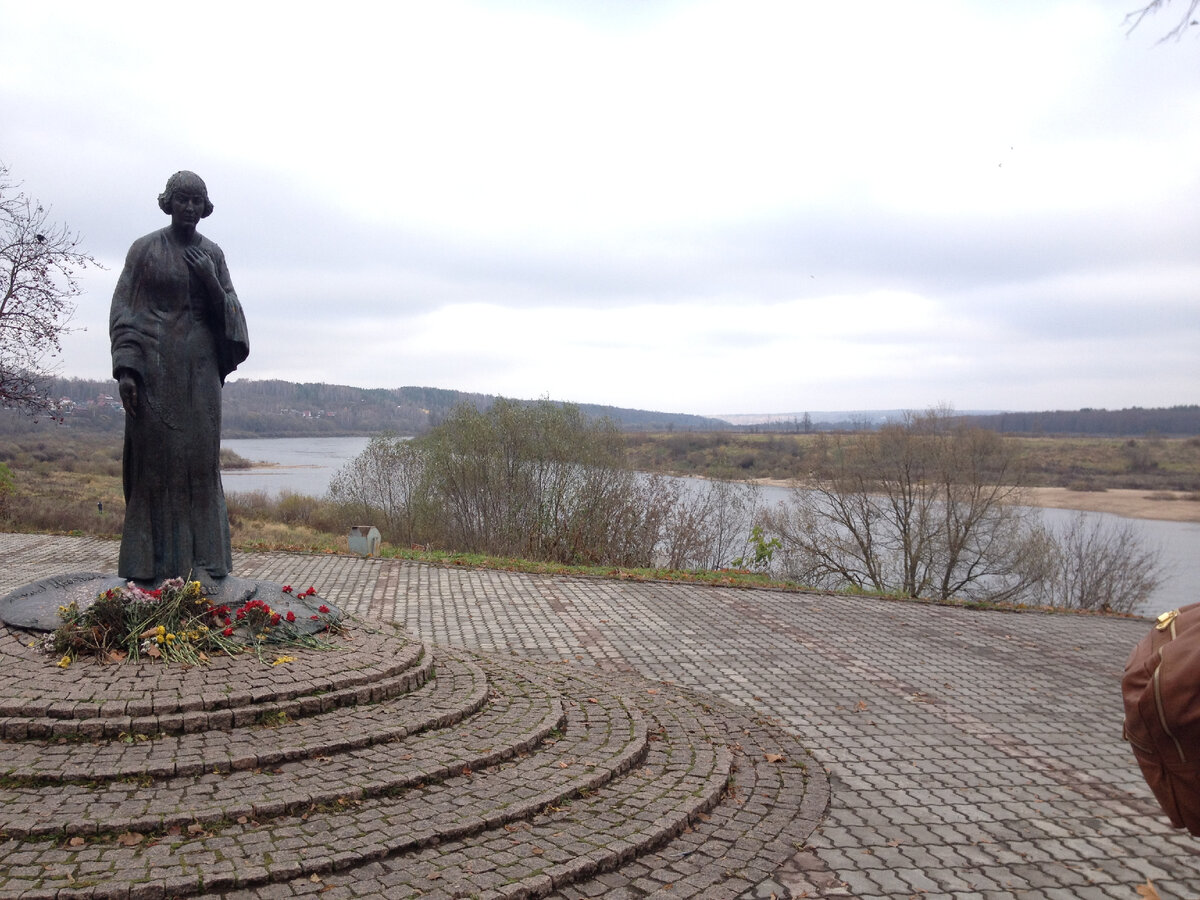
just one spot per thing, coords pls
(364, 540)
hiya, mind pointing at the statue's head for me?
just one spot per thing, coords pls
(190, 182)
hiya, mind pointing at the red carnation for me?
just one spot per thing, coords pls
(287, 588)
(228, 632)
(291, 616)
(322, 608)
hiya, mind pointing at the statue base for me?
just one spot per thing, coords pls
(34, 607)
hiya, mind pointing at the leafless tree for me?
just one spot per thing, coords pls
(1134, 19)
(386, 479)
(933, 508)
(928, 508)
(39, 260)
(1101, 566)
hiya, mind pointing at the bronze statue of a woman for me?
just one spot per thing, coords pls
(177, 330)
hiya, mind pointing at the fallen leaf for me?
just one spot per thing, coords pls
(1147, 891)
(76, 842)
(117, 656)
(195, 828)
(153, 652)
(592, 700)
(774, 757)
(314, 878)
(434, 876)
(130, 839)
(860, 706)
(652, 690)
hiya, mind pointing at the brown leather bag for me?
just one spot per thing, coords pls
(1161, 688)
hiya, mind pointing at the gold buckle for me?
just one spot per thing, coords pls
(1165, 620)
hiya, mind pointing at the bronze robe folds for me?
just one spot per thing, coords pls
(179, 343)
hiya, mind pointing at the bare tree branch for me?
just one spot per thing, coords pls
(1134, 19)
(39, 260)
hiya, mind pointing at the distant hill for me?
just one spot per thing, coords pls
(285, 409)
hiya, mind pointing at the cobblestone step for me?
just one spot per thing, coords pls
(447, 799)
(90, 700)
(459, 690)
(496, 777)
(630, 838)
(776, 796)
(520, 715)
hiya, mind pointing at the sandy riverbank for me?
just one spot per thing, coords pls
(1168, 506)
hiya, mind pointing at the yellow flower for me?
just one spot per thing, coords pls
(170, 638)
(161, 630)
(283, 659)
(64, 662)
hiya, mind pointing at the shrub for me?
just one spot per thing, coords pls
(538, 481)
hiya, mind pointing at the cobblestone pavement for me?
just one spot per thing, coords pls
(970, 754)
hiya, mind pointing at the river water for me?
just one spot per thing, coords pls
(298, 465)
(306, 465)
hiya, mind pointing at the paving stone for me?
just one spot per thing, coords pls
(985, 745)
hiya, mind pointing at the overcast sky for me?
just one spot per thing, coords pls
(706, 207)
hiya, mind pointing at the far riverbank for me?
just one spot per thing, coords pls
(1163, 506)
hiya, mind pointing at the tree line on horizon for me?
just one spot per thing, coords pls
(277, 408)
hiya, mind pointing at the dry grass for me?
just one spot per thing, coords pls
(1084, 464)
(69, 482)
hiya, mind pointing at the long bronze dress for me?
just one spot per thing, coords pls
(179, 343)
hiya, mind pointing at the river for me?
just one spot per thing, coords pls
(306, 465)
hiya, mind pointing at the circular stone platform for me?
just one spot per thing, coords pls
(385, 768)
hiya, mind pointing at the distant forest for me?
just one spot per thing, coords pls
(1171, 421)
(287, 409)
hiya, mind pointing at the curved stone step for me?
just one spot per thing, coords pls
(592, 847)
(40, 701)
(682, 778)
(566, 782)
(518, 717)
(602, 739)
(777, 795)
(43, 729)
(459, 690)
